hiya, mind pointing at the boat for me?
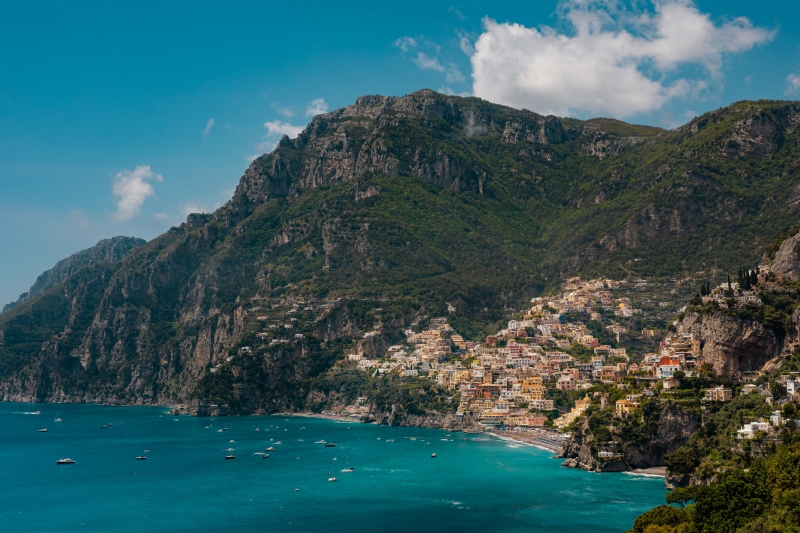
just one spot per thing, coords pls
(279, 442)
(270, 449)
(330, 445)
(320, 442)
(147, 451)
(104, 426)
(230, 457)
(37, 413)
(433, 455)
(141, 458)
(233, 440)
(228, 450)
(110, 424)
(348, 469)
(266, 456)
(66, 461)
(43, 430)
(219, 431)
(57, 420)
(226, 429)
(331, 477)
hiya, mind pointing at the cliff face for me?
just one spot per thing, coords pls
(674, 428)
(108, 251)
(787, 259)
(731, 345)
(378, 211)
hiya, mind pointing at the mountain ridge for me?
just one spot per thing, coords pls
(411, 205)
(106, 250)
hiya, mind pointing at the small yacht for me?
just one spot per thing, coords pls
(219, 431)
(279, 442)
(320, 442)
(433, 455)
(147, 451)
(233, 440)
(331, 477)
(66, 461)
(266, 456)
(228, 450)
(141, 458)
(104, 426)
(348, 469)
(230, 457)
(330, 445)
(58, 419)
(226, 429)
(110, 424)
(270, 449)
(43, 430)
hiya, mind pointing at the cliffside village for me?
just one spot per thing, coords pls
(509, 379)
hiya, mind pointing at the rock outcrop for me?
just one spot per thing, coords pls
(108, 251)
(787, 259)
(731, 345)
(675, 426)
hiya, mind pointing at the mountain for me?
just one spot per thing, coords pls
(389, 210)
(106, 251)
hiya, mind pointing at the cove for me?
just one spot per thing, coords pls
(475, 482)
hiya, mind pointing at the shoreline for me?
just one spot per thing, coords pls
(529, 439)
(653, 471)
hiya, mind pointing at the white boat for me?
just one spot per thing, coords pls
(279, 442)
(331, 477)
(348, 469)
(66, 461)
(433, 455)
(320, 442)
(141, 458)
(270, 449)
(43, 430)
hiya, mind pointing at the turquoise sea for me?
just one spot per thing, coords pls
(476, 483)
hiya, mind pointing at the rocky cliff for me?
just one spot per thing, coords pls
(731, 345)
(387, 209)
(106, 251)
(673, 429)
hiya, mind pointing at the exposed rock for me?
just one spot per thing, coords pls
(731, 345)
(787, 258)
(108, 251)
(674, 429)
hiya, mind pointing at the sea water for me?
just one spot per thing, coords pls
(475, 482)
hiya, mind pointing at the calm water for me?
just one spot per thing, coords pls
(475, 484)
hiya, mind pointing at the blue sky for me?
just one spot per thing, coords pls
(118, 118)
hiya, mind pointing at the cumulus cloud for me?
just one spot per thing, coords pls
(616, 61)
(207, 130)
(792, 84)
(317, 106)
(132, 187)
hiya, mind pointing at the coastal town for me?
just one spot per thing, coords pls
(536, 377)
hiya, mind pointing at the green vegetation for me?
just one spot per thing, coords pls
(436, 220)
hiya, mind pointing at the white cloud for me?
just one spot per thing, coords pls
(405, 43)
(465, 42)
(451, 92)
(453, 74)
(275, 130)
(276, 127)
(207, 130)
(190, 207)
(457, 12)
(317, 106)
(616, 61)
(132, 189)
(284, 111)
(426, 62)
(792, 84)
